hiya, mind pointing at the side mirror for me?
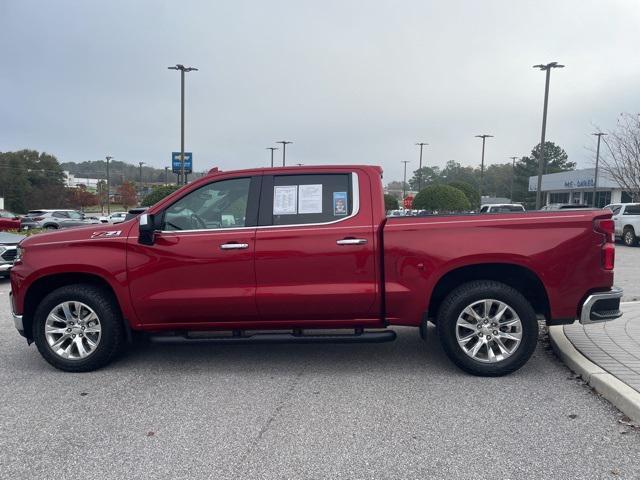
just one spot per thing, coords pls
(147, 229)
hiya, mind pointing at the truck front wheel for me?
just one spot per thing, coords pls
(77, 328)
(487, 328)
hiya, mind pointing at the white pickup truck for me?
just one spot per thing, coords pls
(627, 219)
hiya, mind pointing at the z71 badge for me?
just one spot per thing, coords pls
(108, 233)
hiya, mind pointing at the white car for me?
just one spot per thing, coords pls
(626, 217)
(501, 208)
(115, 217)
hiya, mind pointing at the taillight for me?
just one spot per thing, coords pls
(607, 228)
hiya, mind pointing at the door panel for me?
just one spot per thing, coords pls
(201, 267)
(302, 272)
(189, 278)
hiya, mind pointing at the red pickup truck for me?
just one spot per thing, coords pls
(307, 254)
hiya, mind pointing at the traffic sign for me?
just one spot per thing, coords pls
(408, 202)
(176, 166)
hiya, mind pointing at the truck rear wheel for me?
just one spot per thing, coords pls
(629, 237)
(487, 328)
(78, 328)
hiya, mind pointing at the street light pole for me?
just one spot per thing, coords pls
(545, 68)
(513, 174)
(272, 149)
(108, 185)
(182, 69)
(484, 138)
(141, 164)
(404, 182)
(284, 150)
(166, 175)
(422, 144)
(595, 176)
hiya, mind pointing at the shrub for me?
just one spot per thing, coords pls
(390, 202)
(441, 198)
(469, 191)
(157, 194)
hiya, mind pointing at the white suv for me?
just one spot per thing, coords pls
(627, 219)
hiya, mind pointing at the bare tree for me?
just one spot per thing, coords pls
(621, 159)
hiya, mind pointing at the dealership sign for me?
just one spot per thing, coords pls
(176, 165)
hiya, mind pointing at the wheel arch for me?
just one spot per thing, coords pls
(47, 284)
(523, 279)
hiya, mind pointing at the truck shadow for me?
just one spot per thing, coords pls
(408, 351)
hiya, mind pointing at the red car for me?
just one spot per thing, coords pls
(9, 221)
(287, 254)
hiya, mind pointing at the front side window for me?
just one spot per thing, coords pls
(214, 206)
(315, 198)
(76, 215)
(616, 209)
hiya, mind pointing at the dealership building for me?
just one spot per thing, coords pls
(576, 186)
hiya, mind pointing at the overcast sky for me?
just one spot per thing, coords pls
(346, 81)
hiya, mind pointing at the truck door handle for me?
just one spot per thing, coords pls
(352, 241)
(234, 246)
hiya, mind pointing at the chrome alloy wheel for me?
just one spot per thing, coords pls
(489, 331)
(72, 330)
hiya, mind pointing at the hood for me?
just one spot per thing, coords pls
(75, 234)
(10, 238)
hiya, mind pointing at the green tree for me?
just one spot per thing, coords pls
(556, 160)
(441, 198)
(455, 172)
(424, 177)
(30, 180)
(497, 180)
(390, 202)
(157, 194)
(471, 193)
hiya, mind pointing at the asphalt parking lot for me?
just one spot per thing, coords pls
(397, 410)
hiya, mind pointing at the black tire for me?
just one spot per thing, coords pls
(465, 295)
(629, 237)
(104, 305)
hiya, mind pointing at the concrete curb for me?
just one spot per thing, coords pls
(625, 398)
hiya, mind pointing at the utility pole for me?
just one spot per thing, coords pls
(513, 174)
(284, 150)
(272, 149)
(141, 164)
(182, 69)
(595, 176)
(545, 68)
(422, 144)
(483, 137)
(166, 175)
(108, 186)
(404, 182)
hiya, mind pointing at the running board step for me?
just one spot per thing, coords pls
(358, 337)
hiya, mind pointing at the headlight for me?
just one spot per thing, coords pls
(19, 253)
(2, 249)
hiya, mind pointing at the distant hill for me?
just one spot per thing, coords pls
(119, 171)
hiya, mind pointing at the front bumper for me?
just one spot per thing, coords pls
(17, 319)
(601, 307)
(5, 267)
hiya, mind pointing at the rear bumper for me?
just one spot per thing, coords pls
(601, 306)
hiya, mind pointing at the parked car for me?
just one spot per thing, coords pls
(55, 219)
(627, 222)
(282, 254)
(501, 208)
(9, 221)
(564, 206)
(8, 251)
(116, 217)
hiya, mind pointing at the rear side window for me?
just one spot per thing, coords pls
(304, 199)
(632, 210)
(61, 214)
